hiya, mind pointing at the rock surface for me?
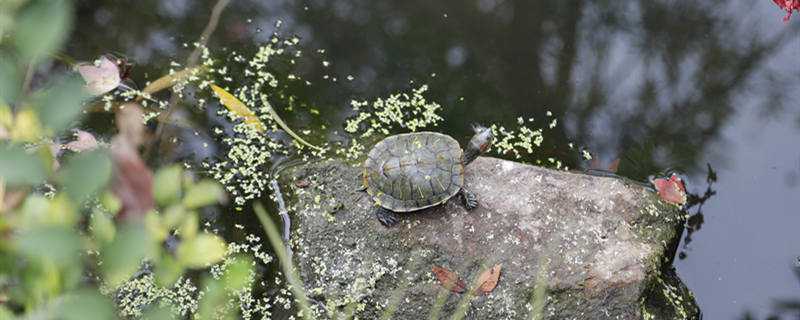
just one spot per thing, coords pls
(598, 248)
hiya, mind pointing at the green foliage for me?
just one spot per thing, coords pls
(203, 193)
(123, 256)
(42, 27)
(86, 304)
(201, 251)
(61, 103)
(85, 173)
(10, 81)
(66, 226)
(167, 184)
(56, 244)
(18, 166)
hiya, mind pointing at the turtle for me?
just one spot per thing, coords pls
(414, 171)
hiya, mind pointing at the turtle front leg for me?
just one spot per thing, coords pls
(470, 200)
(386, 216)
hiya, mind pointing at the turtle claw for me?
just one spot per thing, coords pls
(386, 217)
(470, 200)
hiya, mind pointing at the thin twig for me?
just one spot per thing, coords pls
(213, 21)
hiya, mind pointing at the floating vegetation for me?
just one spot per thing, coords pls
(521, 143)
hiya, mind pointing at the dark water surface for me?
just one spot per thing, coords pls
(660, 84)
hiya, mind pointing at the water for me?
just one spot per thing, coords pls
(659, 84)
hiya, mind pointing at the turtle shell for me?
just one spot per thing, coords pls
(413, 171)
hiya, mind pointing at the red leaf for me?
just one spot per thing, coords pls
(789, 6)
(133, 181)
(487, 281)
(129, 122)
(671, 190)
(449, 279)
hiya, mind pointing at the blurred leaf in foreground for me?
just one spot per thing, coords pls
(201, 251)
(17, 167)
(85, 173)
(10, 83)
(133, 181)
(61, 103)
(42, 27)
(203, 193)
(167, 184)
(123, 257)
(59, 244)
(86, 305)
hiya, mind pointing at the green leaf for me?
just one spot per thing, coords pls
(212, 304)
(124, 255)
(102, 227)
(167, 184)
(201, 251)
(238, 272)
(42, 28)
(59, 244)
(168, 271)
(203, 193)
(61, 103)
(5, 313)
(188, 227)
(173, 216)
(86, 305)
(10, 83)
(110, 202)
(156, 311)
(18, 167)
(85, 173)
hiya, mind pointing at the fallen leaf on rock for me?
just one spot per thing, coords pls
(487, 281)
(449, 279)
(302, 183)
(671, 190)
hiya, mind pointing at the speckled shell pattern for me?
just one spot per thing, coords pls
(414, 171)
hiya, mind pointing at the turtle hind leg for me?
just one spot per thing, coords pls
(470, 200)
(386, 216)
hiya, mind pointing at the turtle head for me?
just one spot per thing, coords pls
(479, 143)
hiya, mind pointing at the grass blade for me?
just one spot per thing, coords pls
(285, 261)
(283, 125)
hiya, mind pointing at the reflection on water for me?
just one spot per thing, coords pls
(658, 84)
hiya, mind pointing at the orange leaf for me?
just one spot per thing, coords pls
(449, 279)
(614, 166)
(487, 281)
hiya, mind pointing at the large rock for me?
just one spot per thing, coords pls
(598, 248)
